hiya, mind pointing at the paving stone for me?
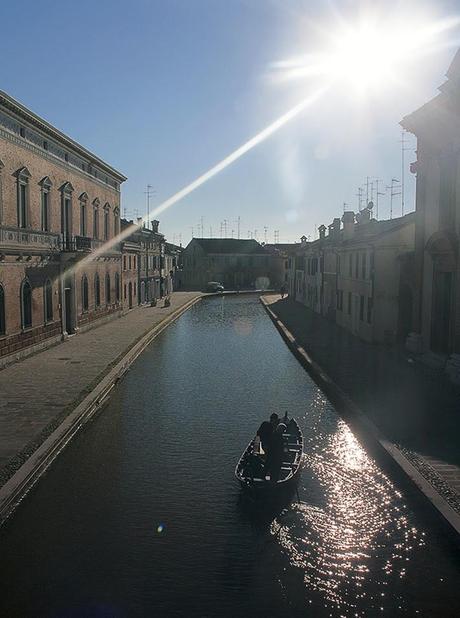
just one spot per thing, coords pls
(38, 389)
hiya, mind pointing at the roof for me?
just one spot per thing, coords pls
(26, 114)
(229, 245)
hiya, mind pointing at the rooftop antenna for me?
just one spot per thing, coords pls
(344, 205)
(149, 193)
(403, 175)
(202, 227)
(225, 228)
(393, 193)
(192, 232)
(276, 236)
(221, 228)
(255, 234)
(377, 194)
(367, 190)
(239, 224)
(265, 233)
(372, 192)
(360, 198)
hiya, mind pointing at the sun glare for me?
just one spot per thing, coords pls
(369, 55)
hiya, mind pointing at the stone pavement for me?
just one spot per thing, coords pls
(416, 407)
(38, 392)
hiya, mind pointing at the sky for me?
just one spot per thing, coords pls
(163, 90)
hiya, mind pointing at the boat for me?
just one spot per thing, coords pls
(250, 468)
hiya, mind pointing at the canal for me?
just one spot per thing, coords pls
(141, 514)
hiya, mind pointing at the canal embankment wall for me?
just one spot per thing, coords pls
(49, 397)
(441, 496)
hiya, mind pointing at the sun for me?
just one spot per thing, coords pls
(371, 54)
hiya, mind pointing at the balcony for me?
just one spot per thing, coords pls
(24, 238)
(84, 244)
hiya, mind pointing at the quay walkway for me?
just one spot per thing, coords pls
(39, 392)
(415, 409)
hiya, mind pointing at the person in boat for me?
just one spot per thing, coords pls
(265, 431)
(275, 453)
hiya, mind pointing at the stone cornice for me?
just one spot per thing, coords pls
(29, 117)
(53, 159)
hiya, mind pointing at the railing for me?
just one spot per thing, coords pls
(84, 244)
(28, 238)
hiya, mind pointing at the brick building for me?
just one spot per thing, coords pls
(59, 204)
(130, 253)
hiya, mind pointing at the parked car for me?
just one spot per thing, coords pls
(214, 286)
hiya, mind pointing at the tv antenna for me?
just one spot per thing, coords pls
(149, 193)
(393, 193)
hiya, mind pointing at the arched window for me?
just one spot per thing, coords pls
(26, 304)
(84, 293)
(117, 287)
(48, 300)
(107, 289)
(97, 291)
(66, 214)
(2, 311)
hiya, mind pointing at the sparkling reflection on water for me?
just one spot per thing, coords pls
(353, 544)
(141, 515)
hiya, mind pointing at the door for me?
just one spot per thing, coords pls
(441, 312)
(130, 295)
(68, 309)
(355, 314)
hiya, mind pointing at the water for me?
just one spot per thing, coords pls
(141, 515)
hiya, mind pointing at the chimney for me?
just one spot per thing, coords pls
(334, 229)
(348, 219)
(364, 216)
(303, 240)
(139, 221)
(155, 225)
(322, 232)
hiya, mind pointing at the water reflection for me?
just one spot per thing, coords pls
(342, 545)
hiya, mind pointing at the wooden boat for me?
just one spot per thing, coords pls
(250, 468)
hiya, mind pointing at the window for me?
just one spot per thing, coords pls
(83, 214)
(66, 213)
(117, 287)
(350, 264)
(2, 311)
(134, 262)
(96, 218)
(97, 291)
(129, 260)
(363, 266)
(357, 266)
(26, 304)
(45, 219)
(134, 288)
(84, 293)
(361, 308)
(369, 310)
(124, 291)
(349, 303)
(23, 176)
(106, 222)
(340, 300)
(124, 262)
(338, 264)
(1, 191)
(116, 222)
(48, 300)
(107, 289)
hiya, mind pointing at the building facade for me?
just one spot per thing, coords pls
(59, 212)
(233, 262)
(436, 327)
(357, 276)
